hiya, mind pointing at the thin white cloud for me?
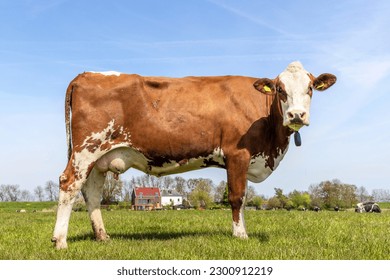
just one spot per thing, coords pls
(254, 19)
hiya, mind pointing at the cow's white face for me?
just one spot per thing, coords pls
(294, 86)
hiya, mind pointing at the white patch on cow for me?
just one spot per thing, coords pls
(120, 159)
(218, 156)
(258, 170)
(107, 73)
(296, 82)
(239, 228)
(65, 203)
(87, 155)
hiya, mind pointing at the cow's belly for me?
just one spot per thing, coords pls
(259, 170)
(121, 159)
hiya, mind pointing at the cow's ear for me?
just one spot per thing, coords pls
(266, 86)
(323, 81)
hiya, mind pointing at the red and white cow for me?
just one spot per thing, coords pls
(164, 126)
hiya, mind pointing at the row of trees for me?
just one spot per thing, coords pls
(204, 193)
(326, 195)
(13, 193)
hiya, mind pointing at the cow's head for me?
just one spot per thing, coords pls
(295, 86)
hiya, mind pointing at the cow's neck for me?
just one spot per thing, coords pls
(279, 133)
(276, 136)
(267, 137)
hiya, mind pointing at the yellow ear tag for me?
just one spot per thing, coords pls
(320, 86)
(266, 88)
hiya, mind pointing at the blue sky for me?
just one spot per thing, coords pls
(44, 44)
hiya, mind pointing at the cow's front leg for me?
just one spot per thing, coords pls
(236, 169)
(92, 192)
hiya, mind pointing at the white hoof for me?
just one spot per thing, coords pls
(59, 243)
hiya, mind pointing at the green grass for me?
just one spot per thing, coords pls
(28, 206)
(201, 235)
(384, 205)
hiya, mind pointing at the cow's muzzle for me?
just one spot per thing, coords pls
(296, 119)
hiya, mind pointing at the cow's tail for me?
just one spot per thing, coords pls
(68, 107)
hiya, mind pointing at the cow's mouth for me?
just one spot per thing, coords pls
(295, 126)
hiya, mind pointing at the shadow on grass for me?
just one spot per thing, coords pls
(156, 235)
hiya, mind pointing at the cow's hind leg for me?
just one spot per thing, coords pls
(70, 187)
(92, 192)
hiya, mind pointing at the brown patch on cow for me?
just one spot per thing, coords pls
(68, 177)
(106, 146)
(92, 144)
(89, 169)
(281, 90)
(267, 136)
(115, 134)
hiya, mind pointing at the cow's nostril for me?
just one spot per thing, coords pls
(303, 115)
(290, 115)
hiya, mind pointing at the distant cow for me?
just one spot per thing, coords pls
(165, 126)
(317, 209)
(367, 207)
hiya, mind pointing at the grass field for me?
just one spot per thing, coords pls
(200, 235)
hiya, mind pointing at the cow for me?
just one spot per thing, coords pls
(162, 126)
(316, 209)
(367, 207)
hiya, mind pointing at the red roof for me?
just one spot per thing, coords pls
(147, 191)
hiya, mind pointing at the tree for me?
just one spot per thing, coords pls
(329, 194)
(281, 197)
(112, 189)
(299, 199)
(191, 184)
(10, 193)
(274, 203)
(127, 189)
(381, 195)
(201, 194)
(257, 201)
(348, 195)
(167, 183)
(25, 195)
(221, 193)
(2, 193)
(362, 194)
(51, 190)
(39, 193)
(149, 181)
(250, 194)
(180, 185)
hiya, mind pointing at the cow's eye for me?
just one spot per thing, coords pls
(282, 93)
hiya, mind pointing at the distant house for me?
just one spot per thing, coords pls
(171, 198)
(144, 198)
